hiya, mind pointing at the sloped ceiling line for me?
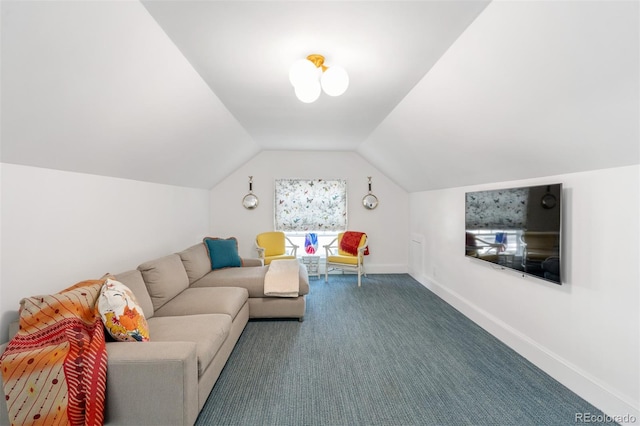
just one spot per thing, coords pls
(442, 93)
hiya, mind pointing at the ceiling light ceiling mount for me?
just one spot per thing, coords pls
(318, 61)
(311, 76)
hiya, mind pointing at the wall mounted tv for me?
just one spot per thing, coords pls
(517, 228)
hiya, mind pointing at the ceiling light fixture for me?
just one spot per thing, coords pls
(310, 76)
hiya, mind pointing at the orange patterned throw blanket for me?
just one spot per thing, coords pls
(351, 241)
(55, 369)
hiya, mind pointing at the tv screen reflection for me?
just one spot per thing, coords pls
(516, 228)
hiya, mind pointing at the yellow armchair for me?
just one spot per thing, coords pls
(339, 256)
(273, 245)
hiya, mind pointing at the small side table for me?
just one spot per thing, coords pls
(313, 265)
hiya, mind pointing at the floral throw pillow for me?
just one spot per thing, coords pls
(121, 314)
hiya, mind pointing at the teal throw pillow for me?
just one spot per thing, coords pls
(223, 252)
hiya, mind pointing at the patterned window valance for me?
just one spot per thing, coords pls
(310, 205)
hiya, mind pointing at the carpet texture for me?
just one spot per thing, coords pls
(388, 353)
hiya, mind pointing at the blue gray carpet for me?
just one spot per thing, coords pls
(388, 353)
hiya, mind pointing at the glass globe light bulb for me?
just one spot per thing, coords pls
(309, 92)
(335, 81)
(302, 71)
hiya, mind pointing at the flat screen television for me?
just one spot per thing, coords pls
(517, 228)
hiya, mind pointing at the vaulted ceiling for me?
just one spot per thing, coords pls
(442, 93)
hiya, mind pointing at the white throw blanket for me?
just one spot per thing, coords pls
(282, 278)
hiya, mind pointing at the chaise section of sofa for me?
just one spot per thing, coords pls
(251, 277)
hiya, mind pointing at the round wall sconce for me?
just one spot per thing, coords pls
(370, 201)
(250, 201)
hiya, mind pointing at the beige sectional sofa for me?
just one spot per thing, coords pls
(195, 317)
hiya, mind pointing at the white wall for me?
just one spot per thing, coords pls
(386, 226)
(59, 228)
(584, 333)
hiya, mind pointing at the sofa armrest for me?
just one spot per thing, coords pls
(137, 378)
(138, 375)
(252, 261)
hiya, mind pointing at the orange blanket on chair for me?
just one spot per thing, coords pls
(351, 241)
(55, 369)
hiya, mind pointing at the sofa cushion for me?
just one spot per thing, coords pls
(121, 314)
(133, 280)
(223, 252)
(252, 261)
(206, 300)
(196, 261)
(207, 331)
(165, 278)
(250, 278)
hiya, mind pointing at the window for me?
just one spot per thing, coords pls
(310, 205)
(510, 239)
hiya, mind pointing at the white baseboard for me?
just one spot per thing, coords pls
(621, 408)
(385, 268)
(376, 268)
